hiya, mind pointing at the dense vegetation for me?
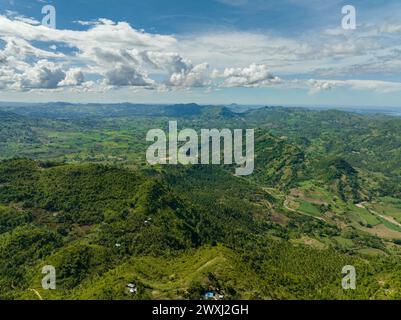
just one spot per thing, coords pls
(76, 193)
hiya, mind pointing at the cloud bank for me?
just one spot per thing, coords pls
(110, 55)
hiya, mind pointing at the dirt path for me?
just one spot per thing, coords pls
(37, 293)
(389, 219)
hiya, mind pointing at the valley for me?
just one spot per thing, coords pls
(76, 192)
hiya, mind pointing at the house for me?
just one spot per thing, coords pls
(132, 288)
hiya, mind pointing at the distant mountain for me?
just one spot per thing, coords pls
(76, 111)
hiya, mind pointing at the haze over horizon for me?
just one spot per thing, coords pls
(395, 110)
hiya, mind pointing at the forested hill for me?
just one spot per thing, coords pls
(76, 193)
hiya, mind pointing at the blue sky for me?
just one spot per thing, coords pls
(288, 52)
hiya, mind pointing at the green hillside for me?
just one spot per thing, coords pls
(76, 193)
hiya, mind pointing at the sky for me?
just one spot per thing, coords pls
(273, 52)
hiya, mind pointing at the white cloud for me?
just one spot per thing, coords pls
(87, 23)
(253, 76)
(20, 48)
(171, 62)
(239, 49)
(233, 2)
(43, 75)
(120, 56)
(18, 17)
(316, 86)
(194, 77)
(123, 75)
(73, 77)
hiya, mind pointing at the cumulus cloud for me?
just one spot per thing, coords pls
(73, 77)
(123, 75)
(193, 77)
(252, 76)
(316, 86)
(118, 55)
(43, 75)
(172, 62)
(119, 63)
(126, 60)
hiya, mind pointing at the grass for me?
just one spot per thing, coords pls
(367, 216)
(388, 209)
(309, 208)
(371, 252)
(390, 225)
(344, 243)
(164, 278)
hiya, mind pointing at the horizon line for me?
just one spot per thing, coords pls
(371, 107)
